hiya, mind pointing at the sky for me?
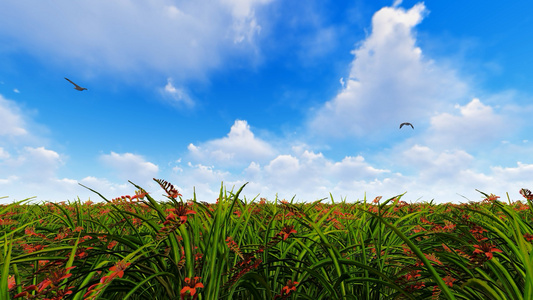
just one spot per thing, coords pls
(299, 99)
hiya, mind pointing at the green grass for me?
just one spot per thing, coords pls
(138, 248)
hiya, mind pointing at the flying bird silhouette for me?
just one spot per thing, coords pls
(407, 124)
(77, 87)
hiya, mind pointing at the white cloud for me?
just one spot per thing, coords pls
(16, 91)
(131, 167)
(180, 38)
(4, 154)
(11, 121)
(432, 165)
(444, 175)
(106, 188)
(238, 148)
(390, 81)
(178, 96)
(477, 124)
(32, 171)
(397, 3)
(7, 181)
(349, 166)
(33, 164)
(245, 24)
(521, 173)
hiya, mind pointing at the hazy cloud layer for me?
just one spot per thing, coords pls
(128, 166)
(179, 38)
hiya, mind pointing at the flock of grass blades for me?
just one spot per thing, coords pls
(134, 247)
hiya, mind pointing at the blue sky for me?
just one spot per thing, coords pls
(298, 98)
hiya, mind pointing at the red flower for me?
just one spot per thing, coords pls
(449, 280)
(477, 229)
(10, 282)
(118, 268)
(413, 274)
(487, 249)
(528, 237)
(491, 198)
(433, 258)
(140, 195)
(286, 231)
(417, 286)
(112, 244)
(192, 285)
(180, 211)
(291, 286)
(7, 222)
(58, 276)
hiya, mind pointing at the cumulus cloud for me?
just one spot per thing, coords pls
(425, 173)
(308, 172)
(521, 173)
(349, 166)
(32, 164)
(432, 165)
(131, 167)
(388, 71)
(182, 38)
(239, 147)
(32, 171)
(476, 124)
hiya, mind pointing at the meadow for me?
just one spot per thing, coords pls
(134, 247)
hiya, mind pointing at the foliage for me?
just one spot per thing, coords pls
(134, 247)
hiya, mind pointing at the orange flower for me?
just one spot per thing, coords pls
(417, 286)
(433, 258)
(192, 285)
(449, 280)
(118, 268)
(291, 286)
(140, 194)
(180, 211)
(492, 198)
(112, 244)
(477, 229)
(286, 231)
(413, 274)
(7, 222)
(10, 282)
(487, 249)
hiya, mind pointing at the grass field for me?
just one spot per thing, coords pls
(134, 247)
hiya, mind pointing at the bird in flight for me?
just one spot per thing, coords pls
(407, 124)
(77, 87)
